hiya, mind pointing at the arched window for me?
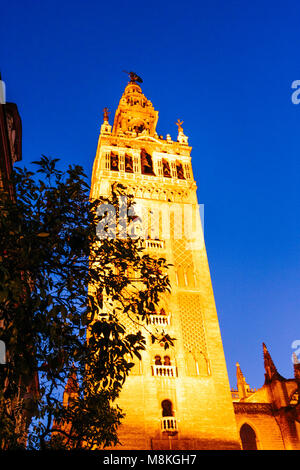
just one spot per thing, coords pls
(190, 364)
(190, 276)
(139, 128)
(167, 361)
(114, 162)
(162, 311)
(146, 163)
(166, 168)
(167, 408)
(180, 276)
(179, 169)
(248, 437)
(128, 163)
(157, 360)
(295, 398)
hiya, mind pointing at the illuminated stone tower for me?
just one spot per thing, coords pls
(177, 398)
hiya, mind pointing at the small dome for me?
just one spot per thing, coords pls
(132, 88)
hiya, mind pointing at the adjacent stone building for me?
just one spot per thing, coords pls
(268, 418)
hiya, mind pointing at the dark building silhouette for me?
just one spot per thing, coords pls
(10, 142)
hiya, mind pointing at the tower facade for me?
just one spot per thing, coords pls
(177, 398)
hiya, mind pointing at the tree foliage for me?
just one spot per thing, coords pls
(62, 291)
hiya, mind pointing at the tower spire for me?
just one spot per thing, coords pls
(296, 366)
(71, 388)
(135, 115)
(271, 372)
(243, 387)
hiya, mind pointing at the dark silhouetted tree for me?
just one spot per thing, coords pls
(57, 280)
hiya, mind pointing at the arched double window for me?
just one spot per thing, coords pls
(158, 361)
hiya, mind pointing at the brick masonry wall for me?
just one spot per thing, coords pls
(261, 419)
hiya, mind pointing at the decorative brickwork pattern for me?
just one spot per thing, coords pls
(131, 327)
(182, 256)
(253, 408)
(193, 333)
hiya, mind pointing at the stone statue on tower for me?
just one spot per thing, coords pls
(134, 77)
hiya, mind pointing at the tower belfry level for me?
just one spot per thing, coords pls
(177, 398)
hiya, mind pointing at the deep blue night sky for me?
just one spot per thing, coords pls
(225, 69)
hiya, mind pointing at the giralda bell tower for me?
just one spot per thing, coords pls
(177, 398)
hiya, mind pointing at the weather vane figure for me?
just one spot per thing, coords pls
(106, 113)
(133, 77)
(179, 124)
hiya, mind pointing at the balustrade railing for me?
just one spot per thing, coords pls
(154, 244)
(168, 423)
(161, 320)
(164, 371)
